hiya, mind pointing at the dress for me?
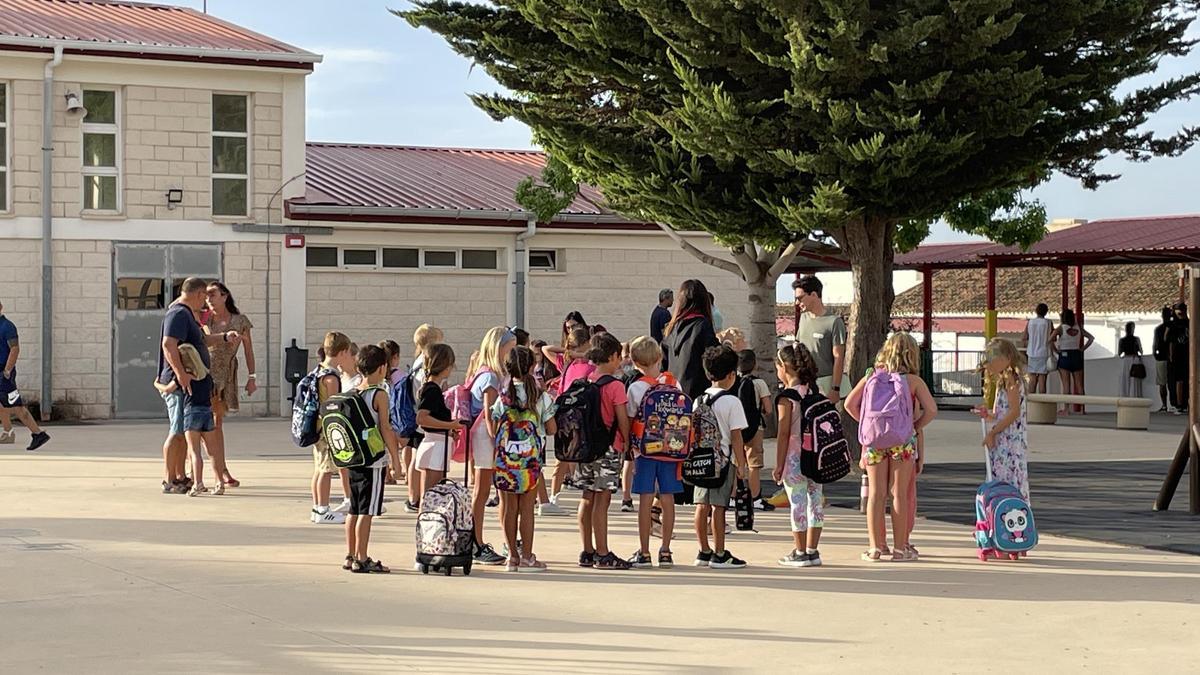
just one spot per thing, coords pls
(224, 359)
(1008, 458)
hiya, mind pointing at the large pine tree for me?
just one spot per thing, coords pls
(766, 122)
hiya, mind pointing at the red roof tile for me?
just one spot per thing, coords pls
(134, 27)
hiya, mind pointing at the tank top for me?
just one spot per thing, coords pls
(1039, 338)
(370, 401)
(1069, 338)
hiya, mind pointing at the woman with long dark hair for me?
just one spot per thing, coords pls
(557, 354)
(1130, 350)
(1069, 342)
(688, 334)
(224, 316)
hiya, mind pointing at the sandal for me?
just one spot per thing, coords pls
(904, 556)
(873, 555)
(532, 564)
(513, 565)
(349, 563)
(912, 549)
(587, 559)
(197, 490)
(610, 561)
(377, 567)
(665, 560)
(219, 490)
(230, 481)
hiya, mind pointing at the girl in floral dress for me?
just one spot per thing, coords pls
(1006, 438)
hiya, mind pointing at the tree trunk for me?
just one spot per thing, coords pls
(761, 334)
(869, 248)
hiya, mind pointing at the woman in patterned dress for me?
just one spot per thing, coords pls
(224, 316)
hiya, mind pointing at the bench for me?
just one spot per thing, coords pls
(1132, 413)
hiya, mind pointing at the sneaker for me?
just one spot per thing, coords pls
(610, 561)
(411, 507)
(344, 507)
(703, 559)
(486, 555)
(627, 506)
(554, 499)
(641, 560)
(795, 559)
(8, 437)
(726, 561)
(327, 516)
(551, 509)
(493, 502)
(665, 560)
(180, 487)
(814, 559)
(168, 488)
(762, 504)
(39, 439)
(587, 559)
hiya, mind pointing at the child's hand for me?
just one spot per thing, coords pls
(862, 461)
(777, 474)
(457, 425)
(741, 471)
(983, 412)
(920, 464)
(989, 441)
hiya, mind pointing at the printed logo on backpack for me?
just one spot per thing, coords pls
(582, 435)
(350, 430)
(707, 465)
(662, 428)
(518, 451)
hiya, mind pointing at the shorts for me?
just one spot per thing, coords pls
(483, 450)
(1070, 360)
(366, 491)
(198, 418)
(718, 496)
(1160, 372)
(902, 453)
(651, 476)
(1038, 365)
(10, 397)
(174, 401)
(754, 452)
(431, 453)
(602, 475)
(322, 460)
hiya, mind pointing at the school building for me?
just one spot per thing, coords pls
(177, 148)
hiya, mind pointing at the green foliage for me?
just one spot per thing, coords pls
(766, 120)
(554, 193)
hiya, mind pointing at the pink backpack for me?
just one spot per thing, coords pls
(458, 400)
(887, 411)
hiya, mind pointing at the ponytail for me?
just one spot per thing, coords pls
(519, 366)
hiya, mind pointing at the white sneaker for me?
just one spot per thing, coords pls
(8, 437)
(554, 499)
(551, 509)
(344, 507)
(328, 516)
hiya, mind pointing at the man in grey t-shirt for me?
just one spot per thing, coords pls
(824, 335)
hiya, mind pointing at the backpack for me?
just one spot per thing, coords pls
(706, 465)
(824, 452)
(445, 535)
(887, 411)
(1004, 523)
(306, 408)
(458, 399)
(519, 449)
(402, 405)
(582, 435)
(350, 430)
(662, 427)
(751, 406)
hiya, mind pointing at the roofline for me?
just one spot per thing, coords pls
(402, 146)
(291, 59)
(388, 214)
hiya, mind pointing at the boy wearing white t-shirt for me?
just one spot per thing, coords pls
(720, 363)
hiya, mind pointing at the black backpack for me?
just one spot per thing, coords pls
(744, 388)
(350, 430)
(828, 460)
(582, 436)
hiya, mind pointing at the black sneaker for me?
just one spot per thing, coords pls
(587, 559)
(411, 506)
(703, 559)
(726, 561)
(486, 555)
(762, 504)
(641, 560)
(610, 561)
(168, 488)
(627, 506)
(814, 559)
(493, 502)
(39, 439)
(795, 559)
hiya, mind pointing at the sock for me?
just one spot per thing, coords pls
(321, 509)
(810, 551)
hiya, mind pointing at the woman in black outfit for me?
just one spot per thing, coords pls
(688, 334)
(1130, 350)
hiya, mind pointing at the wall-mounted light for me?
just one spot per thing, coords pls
(174, 198)
(74, 105)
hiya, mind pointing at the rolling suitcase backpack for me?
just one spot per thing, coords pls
(446, 524)
(1004, 525)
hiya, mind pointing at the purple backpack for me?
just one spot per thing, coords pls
(887, 411)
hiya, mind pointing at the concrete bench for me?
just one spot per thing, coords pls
(1132, 413)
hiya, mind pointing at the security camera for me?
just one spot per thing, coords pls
(74, 106)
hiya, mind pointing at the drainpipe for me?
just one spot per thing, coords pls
(48, 231)
(520, 266)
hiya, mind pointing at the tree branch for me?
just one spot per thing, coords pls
(785, 259)
(745, 260)
(703, 257)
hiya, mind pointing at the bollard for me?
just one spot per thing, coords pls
(862, 494)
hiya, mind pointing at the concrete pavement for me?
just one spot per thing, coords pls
(99, 572)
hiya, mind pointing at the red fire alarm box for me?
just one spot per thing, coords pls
(294, 241)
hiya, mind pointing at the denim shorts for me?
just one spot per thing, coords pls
(652, 476)
(198, 418)
(174, 401)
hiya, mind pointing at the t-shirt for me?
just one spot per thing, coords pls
(180, 323)
(718, 319)
(821, 334)
(544, 409)
(1039, 330)
(1178, 344)
(730, 416)
(611, 395)
(637, 391)
(431, 400)
(578, 369)
(761, 390)
(8, 339)
(484, 379)
(659, 319)
(383, 460)
(418, 371)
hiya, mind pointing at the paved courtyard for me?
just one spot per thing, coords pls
(100, 573)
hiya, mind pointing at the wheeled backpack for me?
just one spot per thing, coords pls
(1004, 524)
(445, 536)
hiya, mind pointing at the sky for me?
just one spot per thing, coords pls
(383, 81)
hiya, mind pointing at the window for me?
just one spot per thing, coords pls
(401, 257)
(140, 293)
(545, 260)
(479, 259)
(360, 257)
(230, 161)
(441, 258)
(3, 146)
(101, 151)
(322, 256)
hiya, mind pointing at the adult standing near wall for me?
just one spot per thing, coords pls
(1069, 342)
(1179, 359)
(224, 316)
(1036, 341)
(661, 316)
(686, 336)
(718, 319)
(1129, 348)
(10, 397)
(1161, 357)
(823, 333)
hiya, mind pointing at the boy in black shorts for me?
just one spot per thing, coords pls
(366, 482)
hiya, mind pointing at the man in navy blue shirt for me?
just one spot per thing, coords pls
(10, 397)
(661, 315)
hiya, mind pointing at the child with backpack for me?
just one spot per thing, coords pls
(326, 382)
(761, 397)
(485, 391)
(600, 478)
(366, 479)
(434, 418)
(797, 370)
(519, 422)
(1006, 439)
(718, 420)
(883, 403)
(575, 366)
(391, 349)
(655, 408)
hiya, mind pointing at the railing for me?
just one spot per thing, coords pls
(953, 373)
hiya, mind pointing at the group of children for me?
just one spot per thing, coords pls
(509, 379)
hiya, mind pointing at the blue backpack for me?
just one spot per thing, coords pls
(402, 405)
(306, 408)
(1004, 524)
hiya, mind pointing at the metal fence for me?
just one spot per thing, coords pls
(954, 373)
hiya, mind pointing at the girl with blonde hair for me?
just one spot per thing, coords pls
(485, 391)
(1006, 439)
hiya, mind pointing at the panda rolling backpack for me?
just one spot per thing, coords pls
(1004, 525)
